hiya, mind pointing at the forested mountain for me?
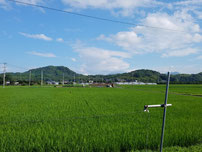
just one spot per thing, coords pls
(50, 73)
(55, 73)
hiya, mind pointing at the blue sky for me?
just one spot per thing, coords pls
(32, 37)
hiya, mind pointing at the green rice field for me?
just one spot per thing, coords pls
(98, 119)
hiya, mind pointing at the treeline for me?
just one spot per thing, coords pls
(152, 77)
(56, 73)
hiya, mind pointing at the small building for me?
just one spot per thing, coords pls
(52, 83)
(90, 82)
(16, 83)
(100, 85)
(49, 82)
(55, 83)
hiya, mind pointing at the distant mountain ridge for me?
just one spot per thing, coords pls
(52, 73)
(55, 73)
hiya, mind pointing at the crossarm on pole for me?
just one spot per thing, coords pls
(146, 107)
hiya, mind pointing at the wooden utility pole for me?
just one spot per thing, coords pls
(41, 77)
(4, 75)
(63, 79)
(74, 79)
(30, 77)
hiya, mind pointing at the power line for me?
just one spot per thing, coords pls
(92, 17)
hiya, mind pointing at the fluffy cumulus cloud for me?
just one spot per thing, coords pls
(47, 55)
(36, 36)
(188, 2)
(129, 7)
(178, 40)
(97, 61)
(123, 7)
(191, 6)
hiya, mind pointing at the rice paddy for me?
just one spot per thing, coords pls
(98, 119)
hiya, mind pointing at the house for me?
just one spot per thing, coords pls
(55, 83)
(16, 83)
(49, 82)
(52, 83)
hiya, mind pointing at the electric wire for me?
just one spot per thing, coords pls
(93, 17)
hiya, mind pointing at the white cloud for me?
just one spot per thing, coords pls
(2, 2)
(32, 1)
(198, 13)
(59, 40)
(189, 6)
(97, 61)
(188, 69)
(108, 4)
(36, 36)
(4, 5)
(47, 55)
(179, 53)
(73, 59)
(188, 2)
(123, 7)
(197, 37)
(183, 34)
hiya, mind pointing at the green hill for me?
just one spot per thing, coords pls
(55, 73)
(139, 75)
(50, 73)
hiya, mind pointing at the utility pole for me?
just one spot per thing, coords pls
(165, 105)
(30, 76)
(20, 77)
(41, 77)
(63, 81)
(164, 112)
(4, 75)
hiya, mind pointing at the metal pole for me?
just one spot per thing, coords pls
(30, 74)
(164, 113)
